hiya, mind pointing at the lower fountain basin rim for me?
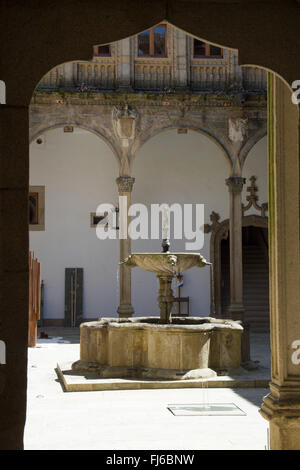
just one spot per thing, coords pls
(145, 323)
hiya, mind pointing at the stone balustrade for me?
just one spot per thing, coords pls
(125, 69)
(87, 76)
(81, 75)
(254, 79)
(152, 76)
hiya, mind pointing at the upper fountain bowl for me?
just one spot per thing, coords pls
(168, 264)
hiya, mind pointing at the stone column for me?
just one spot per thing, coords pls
(14, 162)
(282, 406)
(235, 186)
(125, 309)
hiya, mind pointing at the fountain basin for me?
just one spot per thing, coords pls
(165, 263)
(141, 347)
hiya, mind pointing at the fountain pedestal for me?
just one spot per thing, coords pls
(165, 297)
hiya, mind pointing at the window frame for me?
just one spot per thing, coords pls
(40, 209)
(207, 51)
(96, 54)
(151, 54)
(36, 195)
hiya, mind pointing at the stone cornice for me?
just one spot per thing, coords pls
(150, 99)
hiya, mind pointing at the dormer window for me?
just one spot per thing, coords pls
(153, 42)
(205, 50)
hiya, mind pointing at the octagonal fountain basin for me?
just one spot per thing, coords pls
(141, 347)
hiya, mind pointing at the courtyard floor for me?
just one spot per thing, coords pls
(134, 419)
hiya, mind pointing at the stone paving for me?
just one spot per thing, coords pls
(134, 419)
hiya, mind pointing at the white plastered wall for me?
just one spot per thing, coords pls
(78, 171)
(179, 168)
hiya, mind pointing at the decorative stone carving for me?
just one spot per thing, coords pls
(124, 123)
(125, 184)
(214, 217)
(235, 183)
(252, 199)
(237, 129)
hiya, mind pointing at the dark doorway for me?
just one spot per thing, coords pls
(255, 277)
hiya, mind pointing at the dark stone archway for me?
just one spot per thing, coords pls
(31, 43)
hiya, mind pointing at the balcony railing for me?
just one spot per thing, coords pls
(154, 76)
(82, 76)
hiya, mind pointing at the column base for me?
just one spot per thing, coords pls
(284, 419)
(125, 311)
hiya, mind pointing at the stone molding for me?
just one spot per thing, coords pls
(124, 123)
(252, 199)
(237, 129)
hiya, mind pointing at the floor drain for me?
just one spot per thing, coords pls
(209, 409)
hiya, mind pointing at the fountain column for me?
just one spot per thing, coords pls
(125, 309)
(236, 308)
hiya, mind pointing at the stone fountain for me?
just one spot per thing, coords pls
(166, 266)
(160, 347)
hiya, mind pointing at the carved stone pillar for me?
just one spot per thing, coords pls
(125, 309)
(125, 66)
(182, 66)
(282, 406)
(236, 308)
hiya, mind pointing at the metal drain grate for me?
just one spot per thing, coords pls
(209, 409)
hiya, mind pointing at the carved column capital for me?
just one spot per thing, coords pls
(125, 184)
(235, 184)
